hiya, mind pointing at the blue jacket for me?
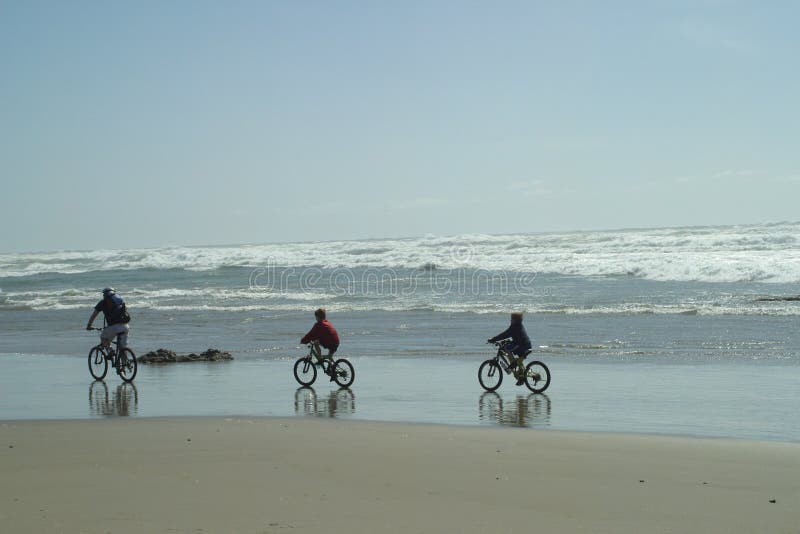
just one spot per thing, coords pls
(517, 334)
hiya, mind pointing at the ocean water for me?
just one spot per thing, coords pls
(678, 330)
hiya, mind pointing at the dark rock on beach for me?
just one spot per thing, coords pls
(159, 356)
(168, 356)
(794, 298)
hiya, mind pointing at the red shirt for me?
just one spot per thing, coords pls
(324, 332)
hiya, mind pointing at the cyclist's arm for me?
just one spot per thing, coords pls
(91, 319)
(95, 313)
(503, 335)
(312, 335)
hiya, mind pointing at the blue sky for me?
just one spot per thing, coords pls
(145, 124)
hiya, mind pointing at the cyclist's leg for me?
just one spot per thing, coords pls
(331, 351)
(513, 353)
(107, 335)
(315, 351)
(123, 335)
(518, 355)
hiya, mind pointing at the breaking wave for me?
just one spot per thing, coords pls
(754, 253)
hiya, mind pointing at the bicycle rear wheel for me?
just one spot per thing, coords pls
(537, 377)
(305, 372)
(126, 365)
(343, 373)
(490, 375)
(98, 365)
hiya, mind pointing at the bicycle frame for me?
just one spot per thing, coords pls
(113, 352)
(317, 357)
(106, 348)
(504, 358)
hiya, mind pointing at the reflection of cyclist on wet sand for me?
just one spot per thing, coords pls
(338, 403)
(520, 344)
(124, 403)
(531, 410)
(322, 335)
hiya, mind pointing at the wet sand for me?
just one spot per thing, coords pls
(628, 397)
(321, 475)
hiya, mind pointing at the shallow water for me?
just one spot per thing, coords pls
(716, 399)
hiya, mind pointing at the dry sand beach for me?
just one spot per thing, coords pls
(309, 475)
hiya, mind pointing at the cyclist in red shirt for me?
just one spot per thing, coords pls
(322, 334)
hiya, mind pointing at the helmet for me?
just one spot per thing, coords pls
(107, 292)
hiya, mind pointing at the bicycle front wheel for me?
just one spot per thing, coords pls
(490, 375)
(126, 365)
(343, 373)
(98, 365)
(305, 372)
(537, 377)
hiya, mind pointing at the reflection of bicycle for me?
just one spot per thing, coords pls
(490, 406)
(125, 401)
(341, 371)
(490, 373)
(337, 403)
(123, 360)
(532, 410)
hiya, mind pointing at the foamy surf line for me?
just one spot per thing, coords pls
(766, 253)
(789, 309)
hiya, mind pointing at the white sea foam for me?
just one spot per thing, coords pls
(246, 300)
(755, 253)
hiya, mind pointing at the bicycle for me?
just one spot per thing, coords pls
(490, 373)
(123, 360)
(341, 371)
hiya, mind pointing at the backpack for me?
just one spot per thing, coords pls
(119, 313)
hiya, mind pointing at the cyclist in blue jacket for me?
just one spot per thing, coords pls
(520, 344)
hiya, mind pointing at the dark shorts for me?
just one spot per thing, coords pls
(331, 348)
(515, 349)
